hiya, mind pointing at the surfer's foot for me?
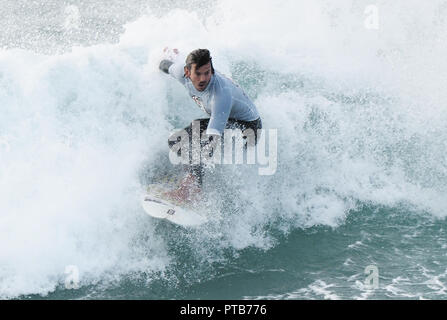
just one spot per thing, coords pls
(187, 192)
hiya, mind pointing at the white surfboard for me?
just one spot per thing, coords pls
(159, 208)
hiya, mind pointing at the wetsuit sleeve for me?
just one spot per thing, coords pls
(220, 110)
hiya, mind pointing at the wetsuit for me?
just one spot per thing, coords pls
(224, 101)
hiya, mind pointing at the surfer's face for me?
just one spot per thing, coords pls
(199, 77)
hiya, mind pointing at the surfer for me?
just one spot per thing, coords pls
(225, 103)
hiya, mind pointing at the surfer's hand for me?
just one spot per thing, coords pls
(209, 140)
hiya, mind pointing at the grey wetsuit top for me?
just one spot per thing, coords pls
(222, 99)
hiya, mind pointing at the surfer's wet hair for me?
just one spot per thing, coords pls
(199, 57)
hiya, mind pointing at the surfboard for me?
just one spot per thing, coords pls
(157, 207)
